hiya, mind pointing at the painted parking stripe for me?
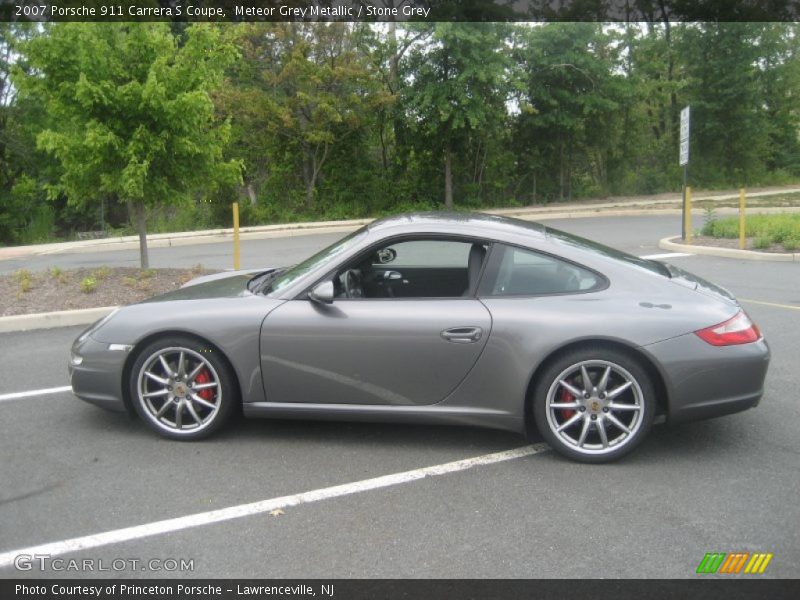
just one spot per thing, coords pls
(773, 304)
(667, 255)
(255, 508)
(18, 395)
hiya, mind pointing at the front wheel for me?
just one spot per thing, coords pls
(594, 405)
(182, 388)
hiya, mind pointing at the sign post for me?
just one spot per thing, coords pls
(683, 160)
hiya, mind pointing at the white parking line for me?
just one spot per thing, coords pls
(667, 255)
(18, 395)
(245, 510)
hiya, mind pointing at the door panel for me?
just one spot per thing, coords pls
(390, 352)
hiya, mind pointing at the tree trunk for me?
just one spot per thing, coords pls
(136, 209)
(251, 193)
(448, 176)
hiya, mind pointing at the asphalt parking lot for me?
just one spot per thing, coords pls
(70, 470)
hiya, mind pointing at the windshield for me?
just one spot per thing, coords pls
(584, 244)
(291, 275)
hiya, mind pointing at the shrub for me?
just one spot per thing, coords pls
(88, 285)
(101, 273)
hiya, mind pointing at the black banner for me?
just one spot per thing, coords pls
(390, 589)
(400, 10)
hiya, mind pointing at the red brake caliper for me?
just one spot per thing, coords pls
(565, 396)
(206, 394)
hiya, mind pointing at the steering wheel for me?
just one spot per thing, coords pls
(353, 287)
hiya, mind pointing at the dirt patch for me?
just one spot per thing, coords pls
(704, 240)
(24, 292)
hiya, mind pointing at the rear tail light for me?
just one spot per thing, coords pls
(737, 330)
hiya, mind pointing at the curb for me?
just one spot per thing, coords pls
(61, 318)
(668, 244)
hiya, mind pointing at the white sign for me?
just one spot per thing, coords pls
(684, 147)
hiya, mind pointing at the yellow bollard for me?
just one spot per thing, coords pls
(236, 253)
(741, 218)
(687, 224)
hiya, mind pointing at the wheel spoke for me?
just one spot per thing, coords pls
(193, 412)
(603, 383)
(613, 406)
(179, 415)
(167, 403)
(571, 389)
(195, 372)
(202, 402)
(181, 364)
(163, 392)
(571, 421)
(165, 364)
(618, 423)
(557, 405)
(601, 430)
(587, 381)
(618, 390)
(156, 378)
(584, 432)
(204, 386)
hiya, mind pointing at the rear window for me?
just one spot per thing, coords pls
(590, 246)
(520, 272)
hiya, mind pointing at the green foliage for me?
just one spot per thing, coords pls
(130, 113)
(311, 121)
(88, 285)
(764, 229)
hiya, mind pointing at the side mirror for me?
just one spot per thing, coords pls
(322, 293)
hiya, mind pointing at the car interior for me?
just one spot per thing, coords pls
(445, 268)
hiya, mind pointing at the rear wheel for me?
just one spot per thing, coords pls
(594, 405)
(182, 388)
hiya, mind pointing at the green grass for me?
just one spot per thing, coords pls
(764, 229)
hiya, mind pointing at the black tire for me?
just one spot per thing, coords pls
(169, 401)
(599, 428)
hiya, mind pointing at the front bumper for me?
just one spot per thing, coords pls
(98, 377)
(705, 381)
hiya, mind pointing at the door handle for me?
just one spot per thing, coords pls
(462, 335)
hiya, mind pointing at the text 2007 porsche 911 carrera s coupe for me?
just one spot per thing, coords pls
(436, 318)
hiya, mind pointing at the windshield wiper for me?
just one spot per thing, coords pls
(256, 284)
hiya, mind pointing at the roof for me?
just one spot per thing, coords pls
(467, 221)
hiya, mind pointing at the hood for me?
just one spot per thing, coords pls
(229, 284)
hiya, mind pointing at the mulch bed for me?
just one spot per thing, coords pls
(24, 292)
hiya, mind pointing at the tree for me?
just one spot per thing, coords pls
(458, 85)
(130, 117)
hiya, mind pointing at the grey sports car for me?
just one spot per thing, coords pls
(436, 318)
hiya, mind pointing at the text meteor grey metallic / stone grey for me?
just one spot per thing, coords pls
(449, 318)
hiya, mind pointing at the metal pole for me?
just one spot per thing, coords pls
(687, 221)
(236, 253)
(742, 208)
(683, 220)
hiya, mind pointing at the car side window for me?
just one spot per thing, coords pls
(416, 268)
(519, 272)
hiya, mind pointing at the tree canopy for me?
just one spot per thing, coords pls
(168, 125)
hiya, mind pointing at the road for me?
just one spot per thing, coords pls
(730, 484)
(642, 237)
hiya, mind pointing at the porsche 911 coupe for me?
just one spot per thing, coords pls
(448, 318)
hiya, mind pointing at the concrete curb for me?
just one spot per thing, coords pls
(61, 318)
(668, 244)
